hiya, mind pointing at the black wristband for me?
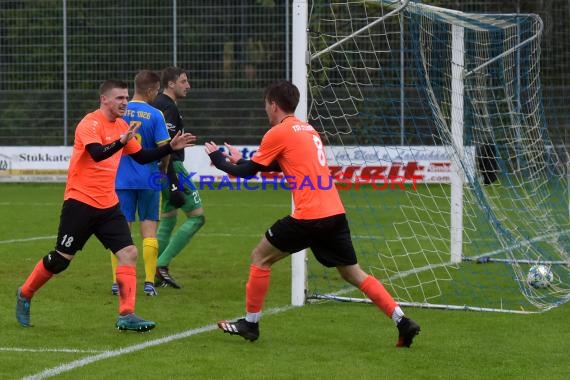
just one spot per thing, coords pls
(100, 152)
(144, 156)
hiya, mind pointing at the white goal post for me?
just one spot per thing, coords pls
(301, 58)
(300, 54)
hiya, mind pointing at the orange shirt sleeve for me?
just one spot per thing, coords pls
(88, 131)
(270, 147)
(132, 146)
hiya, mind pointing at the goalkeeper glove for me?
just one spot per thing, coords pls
(176, 197)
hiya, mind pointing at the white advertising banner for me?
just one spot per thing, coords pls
(34, 163)
(422, 164)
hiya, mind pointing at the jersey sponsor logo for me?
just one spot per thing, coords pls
(139, 114)
(302, 127)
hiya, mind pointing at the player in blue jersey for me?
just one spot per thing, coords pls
(133, 184)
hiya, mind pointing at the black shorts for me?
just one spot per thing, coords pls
(328, 238)
(79, 221)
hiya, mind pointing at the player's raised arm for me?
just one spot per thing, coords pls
(101, 152)
(241, 167)
(178, 142)
(130, 133)
(234, 155)
(182, 140)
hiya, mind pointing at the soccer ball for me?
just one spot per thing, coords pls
(539, 276)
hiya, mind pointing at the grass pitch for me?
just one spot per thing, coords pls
(73, 315)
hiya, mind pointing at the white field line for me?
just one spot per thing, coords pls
(67, 367)
(24, 240)
(65, 350)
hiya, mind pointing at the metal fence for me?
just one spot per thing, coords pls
(55, 53)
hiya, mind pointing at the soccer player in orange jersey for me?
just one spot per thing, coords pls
(91, 205)
(318, 220)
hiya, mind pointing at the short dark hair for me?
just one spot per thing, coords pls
(284, 93)
(145, 80)
(171, 74)
(111, 84)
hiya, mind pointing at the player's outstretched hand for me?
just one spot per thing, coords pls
(210, 147)
(130, 133)
(234, 154)
(182, 140)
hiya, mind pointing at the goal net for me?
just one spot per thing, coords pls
(435, 132)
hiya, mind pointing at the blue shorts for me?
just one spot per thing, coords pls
(145, 203)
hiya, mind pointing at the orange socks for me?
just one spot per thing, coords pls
(256, 288)
(379, 295)
(39, 276)
(127, 280)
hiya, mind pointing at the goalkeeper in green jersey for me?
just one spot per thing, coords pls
(175, 85)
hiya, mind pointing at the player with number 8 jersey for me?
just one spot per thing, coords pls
(318, 220)
(302, 158)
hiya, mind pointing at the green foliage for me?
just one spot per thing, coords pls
(226, 46)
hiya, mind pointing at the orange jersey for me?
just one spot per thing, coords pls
(94, 182)
(298, 149)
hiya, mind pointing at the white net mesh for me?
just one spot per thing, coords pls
(407, 100)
